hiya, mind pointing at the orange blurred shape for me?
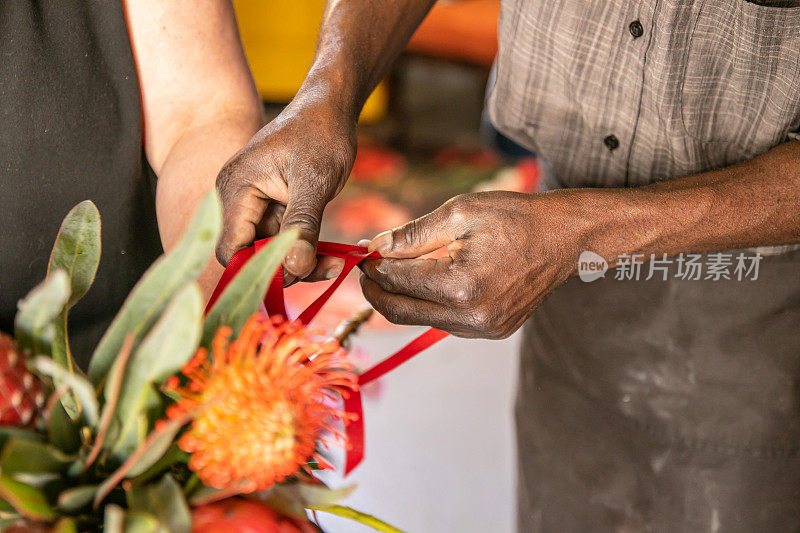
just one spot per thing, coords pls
(374, 164)
(366, 215)
(524, 177)
(453, 156)
(462, 30)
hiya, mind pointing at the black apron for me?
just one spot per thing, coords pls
(663, 406)
(71, 130)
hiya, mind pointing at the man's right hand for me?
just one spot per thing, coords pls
(284, 177)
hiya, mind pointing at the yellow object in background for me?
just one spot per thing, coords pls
(279, 38)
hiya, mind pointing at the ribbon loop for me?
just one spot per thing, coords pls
(275, 304)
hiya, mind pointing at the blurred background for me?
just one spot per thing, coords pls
(439, 434)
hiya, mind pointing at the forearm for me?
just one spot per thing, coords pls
(199, 102)
(359, 40)
(751, 204)
(189, 171)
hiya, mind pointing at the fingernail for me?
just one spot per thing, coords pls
(334, 272)
(299, 258)
(381, 243)
(363, 243)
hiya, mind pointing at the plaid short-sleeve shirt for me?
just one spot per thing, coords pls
(628, 92)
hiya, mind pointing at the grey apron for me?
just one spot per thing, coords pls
(663, 405)
(656, 405)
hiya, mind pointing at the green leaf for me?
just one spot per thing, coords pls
(61, 353)
(172, 456)
(37, 479)
(154, 446)
(76, 252)
(357, 516)
(33, 325)
(74, 499)
(20, 455)
(77, 248)
(82, 389)
(168, 346)
(165, 500)
(13, 519)
(159, 284)
(8, 432)
(6, 509)
(29, 501)
(203, 494)
(65, 525)
(136, 522)
(154, 452)
(244, 293)
(62, 431)
(113, 519)
(293, 497)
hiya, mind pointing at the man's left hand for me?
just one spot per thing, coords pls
(507, 252)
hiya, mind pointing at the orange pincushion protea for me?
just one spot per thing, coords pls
(260, 403)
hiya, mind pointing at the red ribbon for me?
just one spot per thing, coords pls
(275, 305)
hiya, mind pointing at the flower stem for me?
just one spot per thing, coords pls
(350, 326)
(358, 516)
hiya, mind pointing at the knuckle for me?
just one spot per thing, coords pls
(457, 211)
(464, 291)
(393, 314)
(388, 278)
(304, 216)
(462, 295)
(482, 320)
(407, 233)
(223, 257)
(225, 178)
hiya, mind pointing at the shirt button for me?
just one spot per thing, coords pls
(636, 29)
(611, 142)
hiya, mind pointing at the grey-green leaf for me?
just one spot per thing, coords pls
(77, 248)
(28, 501)
(65, 525)
(242, 296)
(82, 389)
(136, 522)
(33, 324)
(22, 455)
(165, 500)
(76, 252)
(293, 497)
(76, 498)
(167, 347)
(172, 456)
(113, 519)
(159, 284)
(10, 432)
(154, 452)
(62, 430)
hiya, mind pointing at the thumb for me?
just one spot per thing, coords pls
(423, 235)
(304, 211)
(241, 212)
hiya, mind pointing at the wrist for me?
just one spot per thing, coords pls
(645, 221)
(330, 87)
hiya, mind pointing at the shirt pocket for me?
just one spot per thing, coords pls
(741, 82)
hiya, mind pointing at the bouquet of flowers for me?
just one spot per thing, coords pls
(187, 419)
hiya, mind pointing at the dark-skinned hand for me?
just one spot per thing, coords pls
(507, 252)
(284, 177)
